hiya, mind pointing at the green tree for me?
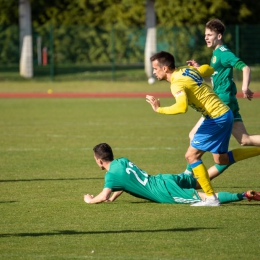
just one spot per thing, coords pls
(188, 12)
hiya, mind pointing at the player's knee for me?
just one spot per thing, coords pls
(187, 156)
(191, 157)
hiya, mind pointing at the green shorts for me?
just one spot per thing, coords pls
(181, 187)
(233, 105)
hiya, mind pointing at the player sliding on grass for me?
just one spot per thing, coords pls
(189, 89)
(223, 61)
(123, 175)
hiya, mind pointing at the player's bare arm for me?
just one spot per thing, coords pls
(115, 195)
(104, 195)
(247, 93)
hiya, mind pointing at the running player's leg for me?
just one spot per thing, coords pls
(213, 136)
(193, 157)
(217, 169)
(238, 155)
(191, 135)
(239, 131)
(243, 138)
(227, 197)
(241, 135)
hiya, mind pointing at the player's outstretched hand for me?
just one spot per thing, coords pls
(155, 103)
(88, 198)
(248, 94)
(193, 63)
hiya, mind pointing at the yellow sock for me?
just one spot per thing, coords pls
(244, 153)
(202, 176)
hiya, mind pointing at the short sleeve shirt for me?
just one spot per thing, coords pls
(223, 61)
(163, 188)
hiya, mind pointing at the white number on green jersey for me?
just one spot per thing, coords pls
(144, 174)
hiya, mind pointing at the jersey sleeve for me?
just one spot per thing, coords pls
(205, 70)
(181, 105)
(240, 65)
(228, 58)
(108, 181)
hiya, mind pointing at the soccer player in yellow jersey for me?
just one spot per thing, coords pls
(189, 89)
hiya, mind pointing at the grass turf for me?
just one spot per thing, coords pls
(95, 86)
(47, 165)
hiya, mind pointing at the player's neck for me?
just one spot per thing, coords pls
(218, 45)
(106, 165)
(169, 76)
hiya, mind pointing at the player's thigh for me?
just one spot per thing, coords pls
(195, 128)
(239, 130)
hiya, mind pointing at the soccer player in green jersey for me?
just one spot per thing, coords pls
(223, 61)
(189, 89)
(123, 175)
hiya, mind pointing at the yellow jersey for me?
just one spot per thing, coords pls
(189, 89)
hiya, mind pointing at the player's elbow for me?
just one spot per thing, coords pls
(247, 69)
(183, 110)
(105, 198)
(206, 70)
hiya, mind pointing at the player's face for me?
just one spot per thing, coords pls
(99, 163)
(213, 40)
(159, 71)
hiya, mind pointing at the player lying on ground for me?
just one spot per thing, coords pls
(123, 175)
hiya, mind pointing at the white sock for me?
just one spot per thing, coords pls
(212, 197)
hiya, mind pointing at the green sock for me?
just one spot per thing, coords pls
(222, 168)
(188, 168)
(239, 154)
(225, 197)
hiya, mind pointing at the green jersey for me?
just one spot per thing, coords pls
(223, 61)
(163, 188)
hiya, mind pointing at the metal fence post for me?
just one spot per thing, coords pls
(51, 54)
(113, 58)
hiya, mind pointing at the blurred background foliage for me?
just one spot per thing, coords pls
(82, 33)
(125, 13)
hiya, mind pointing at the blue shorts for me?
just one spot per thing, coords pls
(213, 135)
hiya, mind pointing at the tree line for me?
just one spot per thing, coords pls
(125, 13)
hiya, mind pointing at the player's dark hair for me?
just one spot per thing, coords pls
(216, 25)
(164, 59)
(104, 151)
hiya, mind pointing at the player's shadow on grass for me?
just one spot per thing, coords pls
(73, 232)
(11, 201)
(59, 179)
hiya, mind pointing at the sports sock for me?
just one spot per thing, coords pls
(188, 169)
(237, 155)
(244, 153)
(225, 197)
(202, 176)
(222, 168)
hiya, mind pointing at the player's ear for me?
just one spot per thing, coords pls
(100, 162)
(220, 36)
(165, 68)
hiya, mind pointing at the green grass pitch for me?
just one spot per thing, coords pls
(46, 166)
